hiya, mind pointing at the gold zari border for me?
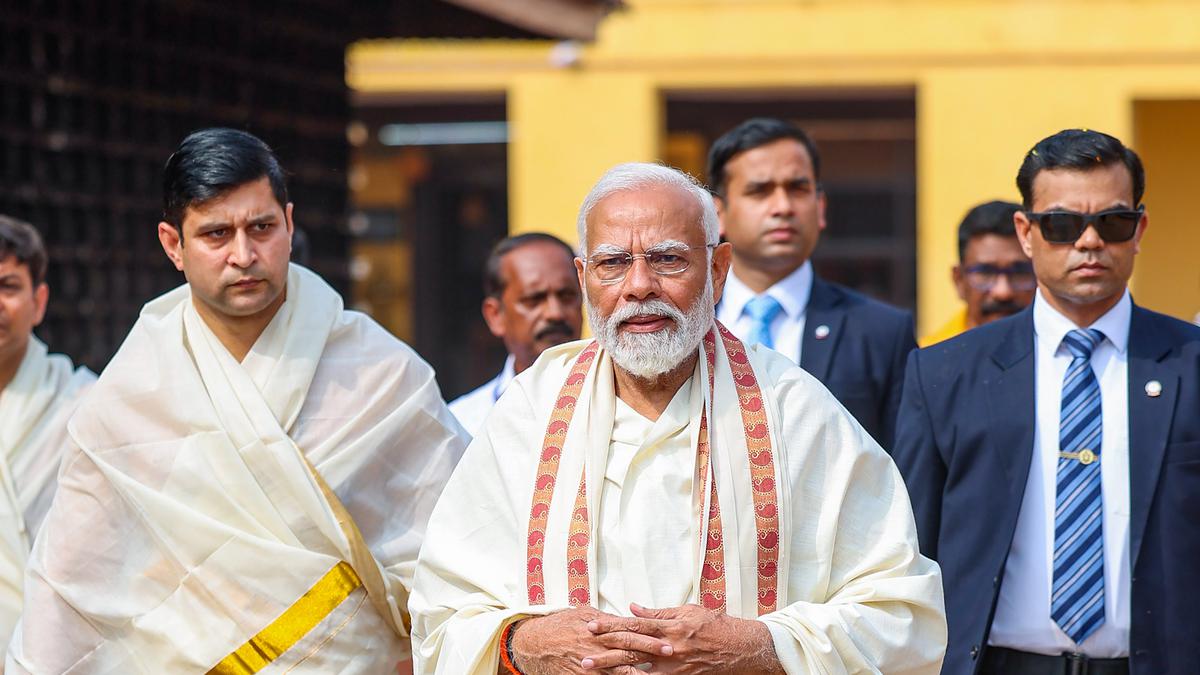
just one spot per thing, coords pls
(295, 622)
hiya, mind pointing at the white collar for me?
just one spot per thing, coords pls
(501, 382)
(792, 292)
(1049, 324)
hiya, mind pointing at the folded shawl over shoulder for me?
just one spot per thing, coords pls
(187, 523)
(34, 409)
(849, 589)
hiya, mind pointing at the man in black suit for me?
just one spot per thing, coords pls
(766, 178)
(1053, 457)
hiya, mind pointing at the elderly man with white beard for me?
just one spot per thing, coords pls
(666, 499)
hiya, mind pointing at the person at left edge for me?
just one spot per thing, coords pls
(250, 479)
(38, 393)
(531, 302)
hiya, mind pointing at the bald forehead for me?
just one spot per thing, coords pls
(661, 209)
(537, 257)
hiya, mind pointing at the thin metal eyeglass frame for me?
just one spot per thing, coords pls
(997, 272)
(658, 248)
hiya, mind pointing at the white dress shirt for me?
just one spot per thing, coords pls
(1023, 614)
(792, 293)
(471, 409)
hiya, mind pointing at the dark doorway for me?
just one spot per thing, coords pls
(867, 140)
(429, 188)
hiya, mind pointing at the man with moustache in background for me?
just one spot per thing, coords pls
(531, 302)
(993, 276)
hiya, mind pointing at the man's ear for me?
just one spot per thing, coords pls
(287, 216)
(493, 316)
(579, 272)
(1024, 233)
(41, 296)
(956, 273)
(721, 260)
(172, 243)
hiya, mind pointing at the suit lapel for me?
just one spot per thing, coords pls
(1149, 418)
(816, 355)
(1011, 408)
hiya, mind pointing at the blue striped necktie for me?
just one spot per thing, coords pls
(1077, 594)
(762, 310)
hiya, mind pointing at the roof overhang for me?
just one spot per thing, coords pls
(568, 19)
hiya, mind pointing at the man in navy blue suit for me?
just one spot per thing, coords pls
(766, 177)
(1053, 457)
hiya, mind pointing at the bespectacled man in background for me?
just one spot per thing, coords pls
(993, 276)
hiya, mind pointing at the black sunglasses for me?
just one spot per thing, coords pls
(1065, 227)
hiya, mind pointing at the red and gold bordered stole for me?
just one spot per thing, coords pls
(762, 477)
(712, 571)
(762, 469)
(547, 476)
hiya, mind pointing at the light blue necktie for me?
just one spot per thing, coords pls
(1077, 594)
(762, 310)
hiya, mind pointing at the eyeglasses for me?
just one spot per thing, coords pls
(984, 277)
(1066, 227)
(611, 266)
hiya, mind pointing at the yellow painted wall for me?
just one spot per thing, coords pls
(562, 138)
(992, 77)
(1168, 139)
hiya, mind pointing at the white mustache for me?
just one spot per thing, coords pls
(647, 308)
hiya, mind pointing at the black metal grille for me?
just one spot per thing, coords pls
(95, 95)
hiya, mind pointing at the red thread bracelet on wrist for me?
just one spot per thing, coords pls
(505, 636)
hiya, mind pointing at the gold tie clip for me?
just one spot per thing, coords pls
(1085, 456)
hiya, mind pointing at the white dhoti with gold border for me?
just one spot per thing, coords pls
(190, 535)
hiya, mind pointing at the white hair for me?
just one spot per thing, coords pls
(633, 175)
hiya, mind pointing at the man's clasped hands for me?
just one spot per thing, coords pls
(676, 640)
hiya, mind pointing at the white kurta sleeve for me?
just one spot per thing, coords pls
(861, 598)
(470, 578)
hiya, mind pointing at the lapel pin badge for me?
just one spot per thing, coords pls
(821, 332)
(1154, 388)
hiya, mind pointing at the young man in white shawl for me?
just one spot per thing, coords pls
(38, 393)
(666, 499)
(251, 476)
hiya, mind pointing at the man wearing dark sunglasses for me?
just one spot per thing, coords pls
(993, 276)
(1053, 457)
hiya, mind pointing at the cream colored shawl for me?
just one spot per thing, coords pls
(34, 409)
(187, 522)
(855, 595)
